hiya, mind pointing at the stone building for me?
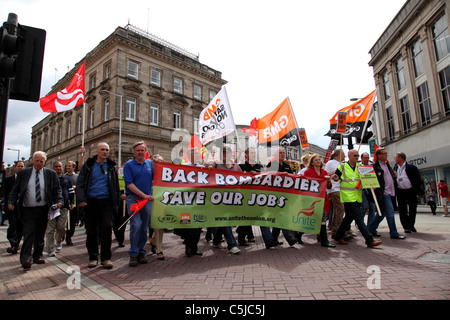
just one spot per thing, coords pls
(411, 67)
(161, 87)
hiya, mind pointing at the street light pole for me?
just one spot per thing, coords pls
(18, 152)
(119, 162)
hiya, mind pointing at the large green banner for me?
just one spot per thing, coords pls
(196, 197)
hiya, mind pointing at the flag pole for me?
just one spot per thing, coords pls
(84, 126)
(365, 123)
(296, 128)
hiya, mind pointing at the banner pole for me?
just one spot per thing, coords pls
(376, 201)
(368, 116)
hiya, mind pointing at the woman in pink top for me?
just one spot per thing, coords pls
(315, 171)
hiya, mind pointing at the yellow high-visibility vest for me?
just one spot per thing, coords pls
(349, 180)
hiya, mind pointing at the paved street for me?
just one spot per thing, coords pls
(397, 270)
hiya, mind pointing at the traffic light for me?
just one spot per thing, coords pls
(22, 55)
(367, 135)
(8, 48)
(26, 85)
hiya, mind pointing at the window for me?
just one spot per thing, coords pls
(212, 94)
(80, 124)
(130, 112)
(178, 85)
(154, 114)
(424, 103)
(92, 81)
(155, 78)
(91, 118)
(106, 109)
(197, 92)
(417, 56)
(406, 115)
(444, 79)
(107, 71)
(400, 74)
(69, 129)
(52, 137)
(177, 119)
(387, 91)
(441, 38)
(133, 70)
(390, 123)
(59, 134)
(197, 124)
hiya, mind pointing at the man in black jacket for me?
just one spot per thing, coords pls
(98, 191)
(409, 186)
(14, 233)
(35, 191)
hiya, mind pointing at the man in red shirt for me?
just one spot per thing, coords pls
(443, 191)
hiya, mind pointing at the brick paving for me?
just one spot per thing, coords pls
(306, 271)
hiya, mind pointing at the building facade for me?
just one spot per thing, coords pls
(160, 88)
(411, 67)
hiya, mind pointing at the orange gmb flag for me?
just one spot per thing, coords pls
(279, 125)
(357, 114)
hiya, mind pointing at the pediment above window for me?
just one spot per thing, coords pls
(132, 88)
(180, 100)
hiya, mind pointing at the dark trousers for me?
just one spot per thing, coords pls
(120, 219)
(73, 219)
(288, 235)
(353, 211)
(99, 218)
(407, 207)
(34, 222)
(15, 228)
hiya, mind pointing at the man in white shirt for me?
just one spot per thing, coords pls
(338, 207)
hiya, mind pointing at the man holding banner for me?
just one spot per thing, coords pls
(386, 179)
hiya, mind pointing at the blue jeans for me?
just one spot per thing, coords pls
(227, 233)
(267, 235)
(138, 226)
(387, 210)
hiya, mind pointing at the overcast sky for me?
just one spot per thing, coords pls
(314, 52)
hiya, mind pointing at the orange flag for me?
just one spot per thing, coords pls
(279, 125)
(194, 144)
(357, 114)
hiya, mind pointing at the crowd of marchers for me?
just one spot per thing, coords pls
(43, 206)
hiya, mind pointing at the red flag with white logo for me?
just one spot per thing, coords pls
(68, 98)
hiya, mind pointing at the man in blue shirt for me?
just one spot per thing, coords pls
(138, 176)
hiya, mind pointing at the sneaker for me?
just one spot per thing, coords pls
(52, 253)
(58, 247)
(220, 245)
(107, 264)
(92, 263)
(446, 215)
(234, 250)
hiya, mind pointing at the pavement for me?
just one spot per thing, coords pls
(417, 268)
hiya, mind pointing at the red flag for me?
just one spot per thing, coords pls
(253, 129)
(68, 98)
(375, 152)
(138, 205)
(147, 155)
(194, 144)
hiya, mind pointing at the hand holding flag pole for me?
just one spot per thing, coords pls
(135, 207)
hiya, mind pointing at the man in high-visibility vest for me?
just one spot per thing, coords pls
(351, 196)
